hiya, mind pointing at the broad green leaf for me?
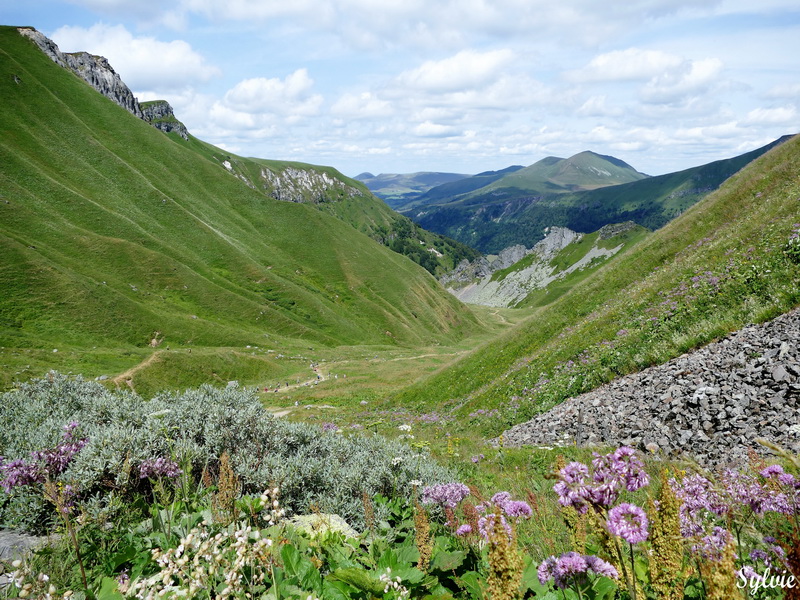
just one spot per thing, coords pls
(447, 561)
(108, 590)
(359, 579)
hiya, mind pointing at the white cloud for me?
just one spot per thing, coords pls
(689, 79)
(598, 106)
(142, 62)
(290, 96)
(784, 115)
(365, 105)
(435, 130)
(468, 69)
(630, 64)
(787, 91)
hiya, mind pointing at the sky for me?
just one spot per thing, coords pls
(463, 86)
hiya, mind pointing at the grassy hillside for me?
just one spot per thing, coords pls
(584, 171)
(732, 259)
(114, 234)
(517, 208)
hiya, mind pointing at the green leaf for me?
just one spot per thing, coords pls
(407, 554)
(337, 590)
(472, 583)
(447, 561)
(358, 578)
(604, 588)
(530, 579)
(108, 590)
(408, 574)
(126, 555)
(295, 565)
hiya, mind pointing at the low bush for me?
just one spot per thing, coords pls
(327, 471)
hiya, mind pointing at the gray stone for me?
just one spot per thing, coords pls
(715, 418)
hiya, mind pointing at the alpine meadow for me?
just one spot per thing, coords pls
(236, 377)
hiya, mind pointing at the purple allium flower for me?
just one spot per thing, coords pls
(698, 498)
(574, 472)
(545, 569)
(501, 498)
(517, 509)
(159, 467)
(747, 490)
(629, 522)
(610, 474)
(331, 427)
(601, 567)
(447, 494)
(486, 524)
(604, 493)
(572, 490)
(571, 567)
(748, 574)
(464, 530)
(712, 546)
(622, 464)
(568, 565)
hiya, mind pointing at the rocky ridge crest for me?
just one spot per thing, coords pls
(712, 404)
(98, 73)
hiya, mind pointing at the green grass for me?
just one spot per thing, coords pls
(111, 231)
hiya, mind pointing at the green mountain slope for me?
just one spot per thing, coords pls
(327, 190)
(501, 215)
(583, 171)
(112, 231)
(732, 259)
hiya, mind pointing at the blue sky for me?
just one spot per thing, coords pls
(399, 86)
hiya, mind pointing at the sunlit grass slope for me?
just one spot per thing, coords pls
(733, 258)
(111, 231)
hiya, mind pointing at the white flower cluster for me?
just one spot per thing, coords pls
(203, 562)
(38, 586)
(406, 429)
(393, 584)
(269, 499)
(237, 560)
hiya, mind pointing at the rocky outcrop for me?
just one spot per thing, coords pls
(467, 272)
(294, 184)
(475, 282)
(712, 404)
(98, 73)
(160, 115)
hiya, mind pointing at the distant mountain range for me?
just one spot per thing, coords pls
(397, 190)
(492, 211)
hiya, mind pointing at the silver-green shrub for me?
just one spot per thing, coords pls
(327, 470)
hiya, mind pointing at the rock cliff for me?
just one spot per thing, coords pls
(476, 283)
(295, 184)
(98, 73)
(160, 115)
